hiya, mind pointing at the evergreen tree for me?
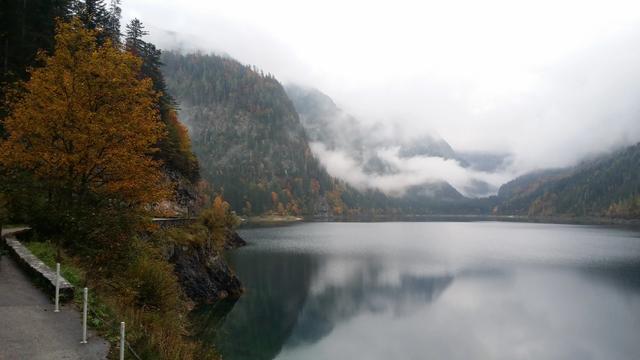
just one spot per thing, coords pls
(133, 37)
(113, 24)
(93, 14)
(175, 147)
(25, 27)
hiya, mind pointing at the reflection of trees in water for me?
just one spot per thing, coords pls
(281, 307)
(624, 276)
(264, 317)
(206, 319)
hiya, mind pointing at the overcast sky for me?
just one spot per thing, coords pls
(550, 81)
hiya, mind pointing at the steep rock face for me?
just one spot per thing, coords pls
(234, 241)
(203, 274)
(186, 199)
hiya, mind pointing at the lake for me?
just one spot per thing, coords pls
(431, 290)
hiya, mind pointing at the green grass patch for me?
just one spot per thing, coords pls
(144, 293)
(100, 316)
(46, 251)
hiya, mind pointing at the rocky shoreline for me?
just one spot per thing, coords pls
(204, 274)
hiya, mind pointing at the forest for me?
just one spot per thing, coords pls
(91, 150)
(254, 149)
(607, 186)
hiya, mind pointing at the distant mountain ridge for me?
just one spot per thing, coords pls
(252, 139)
(329, 125)
(606, 186)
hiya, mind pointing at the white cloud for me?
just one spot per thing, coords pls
(413, 171)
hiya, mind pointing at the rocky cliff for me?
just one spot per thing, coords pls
(203, 273)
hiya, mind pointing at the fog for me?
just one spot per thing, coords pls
(548, 82)
(410, 172)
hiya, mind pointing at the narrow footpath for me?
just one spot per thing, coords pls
(29, 329)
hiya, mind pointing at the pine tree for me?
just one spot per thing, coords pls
(133, 37)
(93, 14)
(113, 23)
(26, 27)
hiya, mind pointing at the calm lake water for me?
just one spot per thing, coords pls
(432, 290)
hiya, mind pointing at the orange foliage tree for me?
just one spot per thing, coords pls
(85, 129)
(219, 219)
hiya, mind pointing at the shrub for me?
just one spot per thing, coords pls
(218, 219)
(156, 286)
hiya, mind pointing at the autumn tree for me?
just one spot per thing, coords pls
(84, 132)
(175, 148)
(219, 220)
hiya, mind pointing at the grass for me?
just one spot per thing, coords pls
(76, 276)
(46, 251)
(147, 297)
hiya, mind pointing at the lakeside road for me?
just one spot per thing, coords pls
(29, 329)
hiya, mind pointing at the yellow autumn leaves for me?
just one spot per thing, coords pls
(86, 122)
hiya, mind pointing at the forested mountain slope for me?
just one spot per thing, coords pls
(247, 135)
(253, 147)
(607, 186)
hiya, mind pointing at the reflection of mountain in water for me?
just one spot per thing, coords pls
(298, 299)
(366, 292)
(624, 276)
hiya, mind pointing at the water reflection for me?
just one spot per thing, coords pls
(326, 291)
(367, 289)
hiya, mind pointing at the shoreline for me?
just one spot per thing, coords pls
(270, 220)
(567, 220)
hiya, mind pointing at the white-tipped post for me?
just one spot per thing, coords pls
(122, 340)
(84, 316)
(57, 309)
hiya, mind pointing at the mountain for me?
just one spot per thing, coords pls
(247, 135)
(327, 124)
(606, 186)
(253, 147)
(484, 161)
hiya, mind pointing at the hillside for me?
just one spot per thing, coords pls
(247, 135)
(606, 186)
(327, 124)
(253, 147)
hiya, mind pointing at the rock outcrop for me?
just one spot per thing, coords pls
(203, 272)
(234, 241)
